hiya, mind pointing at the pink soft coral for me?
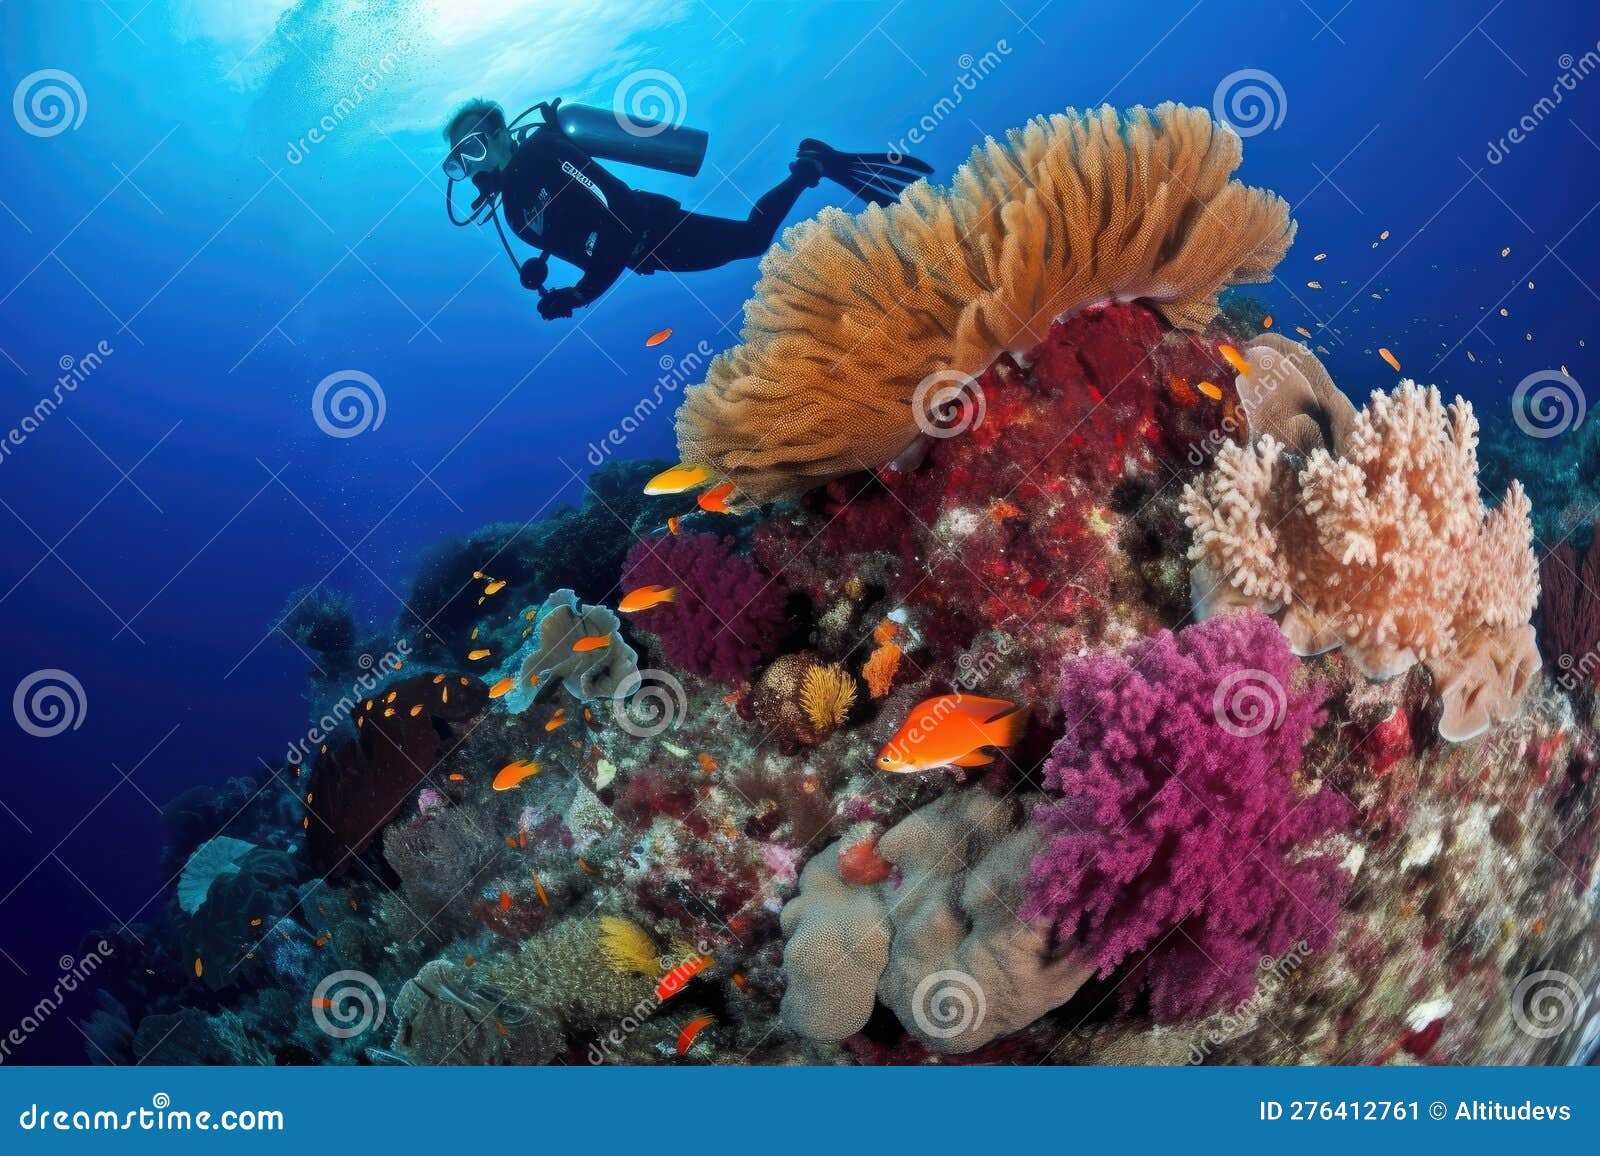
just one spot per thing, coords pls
(728, 616)
(1175, 845)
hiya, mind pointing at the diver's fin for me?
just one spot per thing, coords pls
(876, 177)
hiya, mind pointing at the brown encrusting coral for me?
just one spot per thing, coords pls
(860, 326)
(1386, 550)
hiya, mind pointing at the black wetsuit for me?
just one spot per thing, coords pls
(556, 197)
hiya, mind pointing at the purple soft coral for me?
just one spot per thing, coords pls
(1175, 843)
(728, 616)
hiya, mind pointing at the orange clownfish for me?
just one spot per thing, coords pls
(645, 597)
(512, 774)
(715, 500)
(952, 730)
(593, 642)
(677, 480)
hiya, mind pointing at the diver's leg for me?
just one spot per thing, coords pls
(696, 241)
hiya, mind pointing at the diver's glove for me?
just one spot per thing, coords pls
(560, 303)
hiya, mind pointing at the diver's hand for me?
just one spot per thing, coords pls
(559, 303)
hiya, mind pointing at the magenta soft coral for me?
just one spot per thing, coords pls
(1178, 844)
(728, 616)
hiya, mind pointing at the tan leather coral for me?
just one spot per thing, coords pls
(858, 322)
(1289, 395)
(1385, 549)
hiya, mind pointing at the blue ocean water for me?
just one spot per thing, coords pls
(238, 200)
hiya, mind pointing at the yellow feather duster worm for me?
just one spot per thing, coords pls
(827, 694)
(627, 948)
(860, 324)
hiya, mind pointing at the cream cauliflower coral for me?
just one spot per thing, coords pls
(1385, 549)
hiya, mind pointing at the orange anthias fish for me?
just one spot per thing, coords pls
(512, 774)
(672, 983)
(645, 597)
(1394, 362)
(539, 887)
(557, 720)
(692, 1029)
(502, 687)
(505, 900)
(1234, 358)
(593, 642)
(657, 338)
(952, 730)
(672, 525)
(677, 480)
(475, 655)
(495, 587)
(1212, 391)
(715, 500)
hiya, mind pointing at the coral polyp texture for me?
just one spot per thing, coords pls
(1385, 549)
(1184, 840)
(853, 315)
(623, 804)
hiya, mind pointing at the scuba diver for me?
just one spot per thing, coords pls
(544, 178)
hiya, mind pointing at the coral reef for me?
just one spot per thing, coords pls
(1386, 550)
(935, 936)
(1569, 613)
(1181, 754)
(1289, 396)
(358, 784)
(550, 654)
(539, 874)
(728, 616)
(854, 316)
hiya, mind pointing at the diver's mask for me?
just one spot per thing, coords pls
(469, 156)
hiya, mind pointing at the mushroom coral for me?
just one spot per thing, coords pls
(1386, 550)
(860, 324)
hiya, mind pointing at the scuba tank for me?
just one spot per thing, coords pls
(603, 135)
(650, 144)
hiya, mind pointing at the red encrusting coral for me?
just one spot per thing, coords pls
(728, 616)
(1177, 844)
(1013, 520)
